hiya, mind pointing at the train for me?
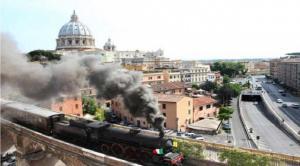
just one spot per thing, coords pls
(131, 144)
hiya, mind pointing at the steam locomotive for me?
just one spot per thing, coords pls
(127, 143)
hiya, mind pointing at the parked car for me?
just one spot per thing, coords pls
(279, 101)
(281, 91)
(284, 105)
(199, 138)
(296, 105)
(226, 126)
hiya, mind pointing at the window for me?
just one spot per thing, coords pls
(189, 111)
(60, 108)
(75, 98)
(171, 77)
(200, 108)
(144, 122)
(165, 125)
(90, 92)
(189, 103)
(149, 78)
(76, 106)
(164, 106)
(158, 77)
(164, 114)
(208, 106)
(189, 121)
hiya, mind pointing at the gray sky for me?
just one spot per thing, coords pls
(186, 29)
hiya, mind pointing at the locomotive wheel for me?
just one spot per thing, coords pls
(145, 157)
(105, 148)
(130, 153)
(117, 150)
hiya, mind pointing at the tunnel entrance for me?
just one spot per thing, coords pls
(251, 96)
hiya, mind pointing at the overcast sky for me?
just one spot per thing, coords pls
(186, 29)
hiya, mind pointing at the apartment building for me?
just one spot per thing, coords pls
(153, 77)
(68, 105)
(177, 109)
(289, 74)
(195, 75)
(204, 107)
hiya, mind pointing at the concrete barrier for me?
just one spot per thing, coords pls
(243, 123)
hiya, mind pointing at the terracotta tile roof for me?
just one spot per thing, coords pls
(203, 101)
(168, 86)
(168, 98)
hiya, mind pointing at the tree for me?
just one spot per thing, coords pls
(100, 114)
(209, 86)
(195, 86)
(89, 105)
(227, 91)
(226, 79)
(39, 55)
(225, 113)
(229, 68)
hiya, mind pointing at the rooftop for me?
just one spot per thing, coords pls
(168, 86)
(203, 100)
(208, 124)
(168, 98)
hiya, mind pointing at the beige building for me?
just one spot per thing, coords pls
(153, 77)
(289, 74)
(177, 109)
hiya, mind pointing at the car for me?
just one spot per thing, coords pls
(179, 134)
(189, 134)
(279, 101)
(284, 105)
(281, 91)
(199, 138)
(296, 105)
(226, 126)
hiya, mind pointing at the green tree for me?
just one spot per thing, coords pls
(225, 113)
(209, 86)
(226, 79)
(229, 68)
(38, 55)
(227, 91)
(100, 114)
(89, 105)
(195, 86)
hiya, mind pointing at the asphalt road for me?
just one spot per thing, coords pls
(271, 137)
(288, 113)
(238, 132)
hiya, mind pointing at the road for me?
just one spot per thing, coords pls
(240, 138)
(292, 113)
(271, 137)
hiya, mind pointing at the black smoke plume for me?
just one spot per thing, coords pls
(67, 76)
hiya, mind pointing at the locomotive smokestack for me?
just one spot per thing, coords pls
(67, 76)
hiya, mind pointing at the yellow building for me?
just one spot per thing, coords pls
(177, 109)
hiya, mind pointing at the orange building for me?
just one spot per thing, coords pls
(70, 105)
(204, 107)
(177, 109)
